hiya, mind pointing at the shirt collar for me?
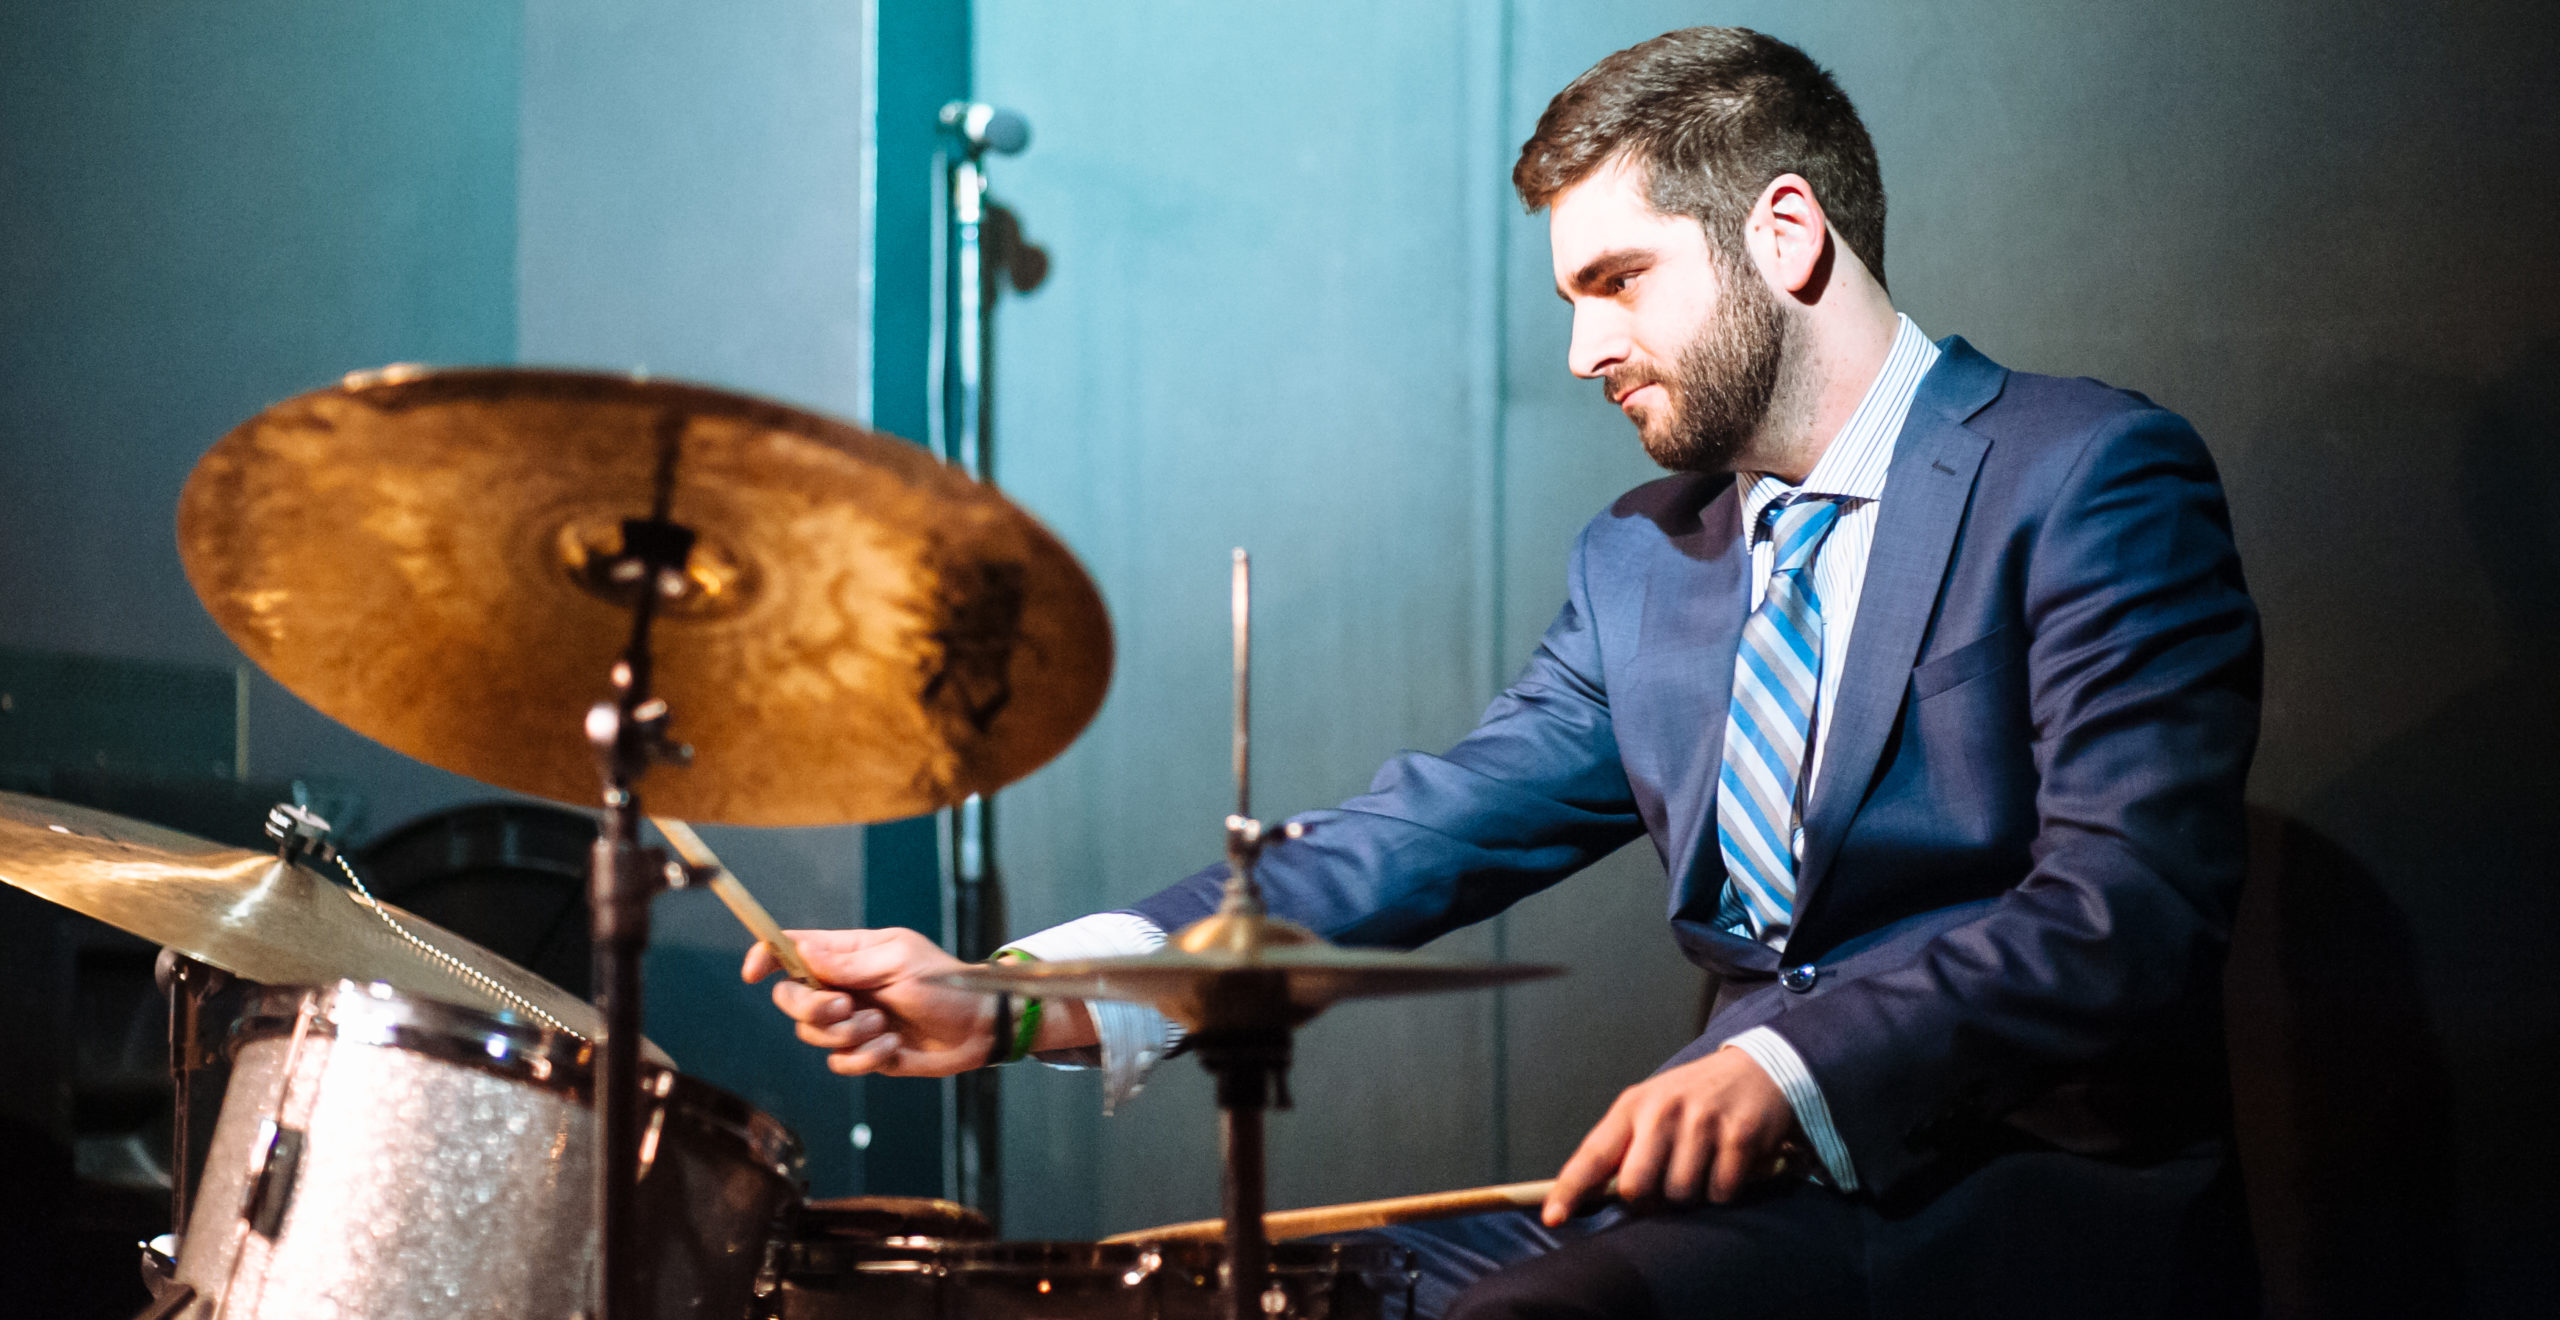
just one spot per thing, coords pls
(1853, 466)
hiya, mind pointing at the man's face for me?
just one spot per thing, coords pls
(1687, 347)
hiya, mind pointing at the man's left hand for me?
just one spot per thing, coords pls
(1712, 1124)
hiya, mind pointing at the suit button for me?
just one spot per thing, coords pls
(1800, 979)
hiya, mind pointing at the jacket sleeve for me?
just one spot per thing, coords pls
(1535, 793)
(2143, 679)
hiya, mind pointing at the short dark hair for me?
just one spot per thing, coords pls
(1713, 114)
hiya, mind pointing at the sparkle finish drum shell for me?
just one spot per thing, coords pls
(390, 1158)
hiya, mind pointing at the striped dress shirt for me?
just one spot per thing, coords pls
(1851, 470)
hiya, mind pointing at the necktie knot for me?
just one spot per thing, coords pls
(1797, 529)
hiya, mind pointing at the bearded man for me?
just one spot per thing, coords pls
(1934, 684)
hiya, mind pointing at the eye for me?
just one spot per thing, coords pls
(1617, 284)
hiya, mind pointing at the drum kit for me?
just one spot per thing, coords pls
(474, 566)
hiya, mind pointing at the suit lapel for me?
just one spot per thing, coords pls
(1926, 490)
(1695, 602)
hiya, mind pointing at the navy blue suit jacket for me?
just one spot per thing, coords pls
(2023, 854)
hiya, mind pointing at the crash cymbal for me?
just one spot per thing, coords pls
(862, 632)
(254, 915)
(1216, 975)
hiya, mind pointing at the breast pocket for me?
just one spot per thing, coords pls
(1969, 728)
(1993, 650)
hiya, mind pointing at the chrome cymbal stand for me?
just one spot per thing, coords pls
(1245, 1042)
(629, 735)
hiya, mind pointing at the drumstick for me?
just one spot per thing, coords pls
(1281, 1225)
(743, 905)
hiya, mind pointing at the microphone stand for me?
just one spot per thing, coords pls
(972, 896)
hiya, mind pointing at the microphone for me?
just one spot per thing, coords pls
(983, 128)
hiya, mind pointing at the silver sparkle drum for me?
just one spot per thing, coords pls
(914, 1278)
(383, 1157)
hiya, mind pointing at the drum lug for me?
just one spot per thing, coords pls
(276, 1157)
(160, 1264)
(178, 1300)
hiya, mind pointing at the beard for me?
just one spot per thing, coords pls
(1723, 386)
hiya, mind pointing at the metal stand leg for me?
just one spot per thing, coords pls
(620, 890)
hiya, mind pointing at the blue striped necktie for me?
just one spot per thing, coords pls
(1776, 678)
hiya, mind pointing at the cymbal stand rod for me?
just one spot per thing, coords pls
(1251, 1065)
(182, 1072)
(1240, 595)
(629, 734)
(188, 983)
(1248, 1255)
(1244, 833)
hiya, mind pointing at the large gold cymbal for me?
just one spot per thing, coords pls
(252, 914)
(865, 633)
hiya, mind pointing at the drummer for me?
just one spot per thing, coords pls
(1964, 884)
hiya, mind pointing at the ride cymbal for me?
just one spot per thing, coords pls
(1242, 971)
(860, 632)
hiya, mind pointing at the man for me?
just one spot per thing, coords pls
(1934, 684)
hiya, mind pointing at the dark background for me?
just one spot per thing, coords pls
(1292, 306)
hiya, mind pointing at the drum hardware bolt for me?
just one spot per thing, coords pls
(649, 1136)
(300, 833)
(160, 1264)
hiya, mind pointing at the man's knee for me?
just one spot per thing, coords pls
(1582, 1281)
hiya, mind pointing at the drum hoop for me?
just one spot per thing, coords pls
(1188, 1256)
(506, 1046)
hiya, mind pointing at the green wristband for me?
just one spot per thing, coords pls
(1027, 1029)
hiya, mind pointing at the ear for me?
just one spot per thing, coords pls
(1787, 234)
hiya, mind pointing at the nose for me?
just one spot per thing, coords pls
(1599, 339)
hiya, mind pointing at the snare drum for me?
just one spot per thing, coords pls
(905, 1278)
(872, 1257)
(386, 1157)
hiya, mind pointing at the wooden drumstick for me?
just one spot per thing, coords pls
(1283, 1225)
(741, 904)
(1315, 1221)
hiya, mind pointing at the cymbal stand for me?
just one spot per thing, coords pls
(629, 734)
(189, 984)
(1245, 1042)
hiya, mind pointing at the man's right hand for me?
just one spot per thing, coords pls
(880, 1012)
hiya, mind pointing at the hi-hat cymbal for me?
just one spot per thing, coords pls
(1242, 971)
(253, 914)
(863, 632)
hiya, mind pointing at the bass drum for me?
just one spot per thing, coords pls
(386, 1157)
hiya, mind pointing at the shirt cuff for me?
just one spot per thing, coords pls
(1131, 1038)
(1786, 1067)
